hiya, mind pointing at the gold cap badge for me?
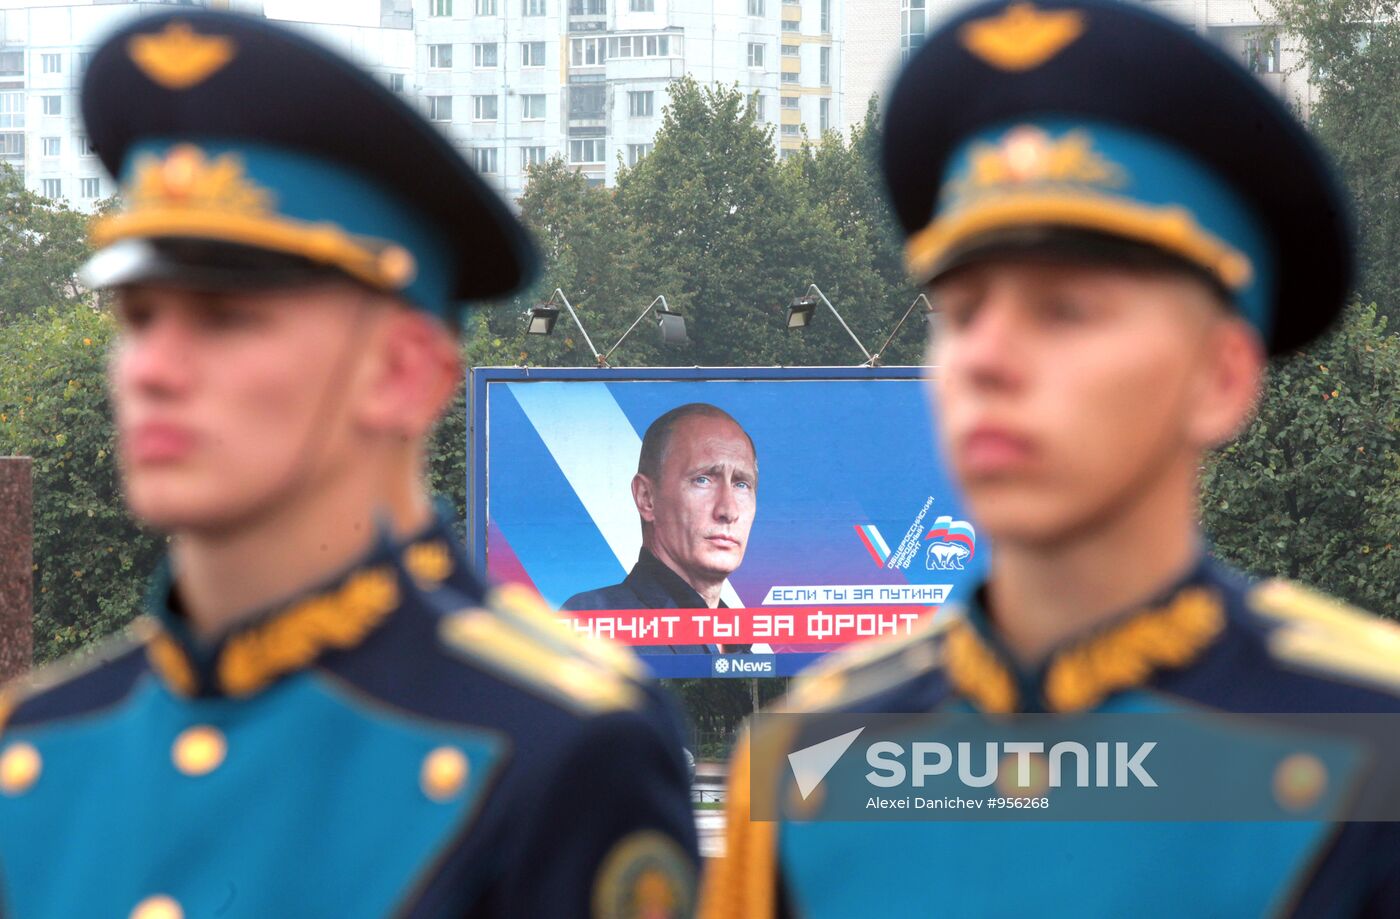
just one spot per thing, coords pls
(1023, 37)
(178, 57)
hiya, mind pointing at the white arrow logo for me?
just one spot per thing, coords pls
(811, 764)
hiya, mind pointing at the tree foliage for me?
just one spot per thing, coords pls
(42, 244)
(1352, 51)
(1309, 491)
(90, 560)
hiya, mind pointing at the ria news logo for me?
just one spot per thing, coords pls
(738, 665)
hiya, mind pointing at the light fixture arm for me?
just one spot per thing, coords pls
(558, 292)
(928, 308)
(603, 359)
(814, 289)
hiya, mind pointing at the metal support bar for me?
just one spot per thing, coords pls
(817, 290)
(928, 308)
(603, 360)
(569, 306)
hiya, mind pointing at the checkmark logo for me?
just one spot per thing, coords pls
(811, 764)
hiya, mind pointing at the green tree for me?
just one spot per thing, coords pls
(1352, 51)
(736, 238)
(1311, 490)
(91, 560)
(42, 244)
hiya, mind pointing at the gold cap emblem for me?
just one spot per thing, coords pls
(1027, 154)
(178, 57)
(1023, 37)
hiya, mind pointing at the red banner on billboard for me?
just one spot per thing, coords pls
(802, 625)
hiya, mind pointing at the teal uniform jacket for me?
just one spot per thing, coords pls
(398, 742)
(1212, 644)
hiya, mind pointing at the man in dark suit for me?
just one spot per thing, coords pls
(696, 491)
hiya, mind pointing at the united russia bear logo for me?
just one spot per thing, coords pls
(951, 543)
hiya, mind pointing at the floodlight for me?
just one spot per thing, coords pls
(802, 311)
(542, 319)
(672, 327)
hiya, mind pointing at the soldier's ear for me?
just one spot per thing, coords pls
(644, 497)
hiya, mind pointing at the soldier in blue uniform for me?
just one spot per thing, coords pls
(325, 713)
(1118, 225)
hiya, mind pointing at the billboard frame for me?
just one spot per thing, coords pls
(479, 380)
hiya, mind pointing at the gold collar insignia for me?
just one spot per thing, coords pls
(1129, 653)
(289, 640)
(1081, 676)
(1023, 37)
(178, 57)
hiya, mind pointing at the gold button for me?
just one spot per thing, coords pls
(1299, 781)
(158, 907)
(20, 766)
(199, 750)
(444, 773)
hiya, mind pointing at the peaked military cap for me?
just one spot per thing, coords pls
(251, 155)
(1110, 130)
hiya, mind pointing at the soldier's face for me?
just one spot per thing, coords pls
(1068, 394)
(225, 402)
(703, 505)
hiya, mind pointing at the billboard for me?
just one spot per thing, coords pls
(786, 511)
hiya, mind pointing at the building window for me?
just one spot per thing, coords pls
(11, 145)
(792, 78)
(588, 7)
(792, 25)
(532, 107)
(637, 152)
(792, 130)
(51, 188)
(588, 52)
(755, 54)
(824, 115)
(532, 156)
(755, 7)
(85, 147)
(641, 104)
(12, 110)
(791, 50)
(588, 101)
(484, 159)
(643, 46)
(440, 108)
(826, 16)
(591, 150)
(911, 26)
(484, 108)
(440, 8)
(791, 101)
(758, 107)
(11, 63)
(84, 59)
(1262, 55)
(532, 54)
(486, 7)
(91, 188)
(643, 6)
(53, 105)
(484, 55)
(51, 63)
(51, 146)
(532, 7)
(824, 65)
(396, 82)
(440, 57)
